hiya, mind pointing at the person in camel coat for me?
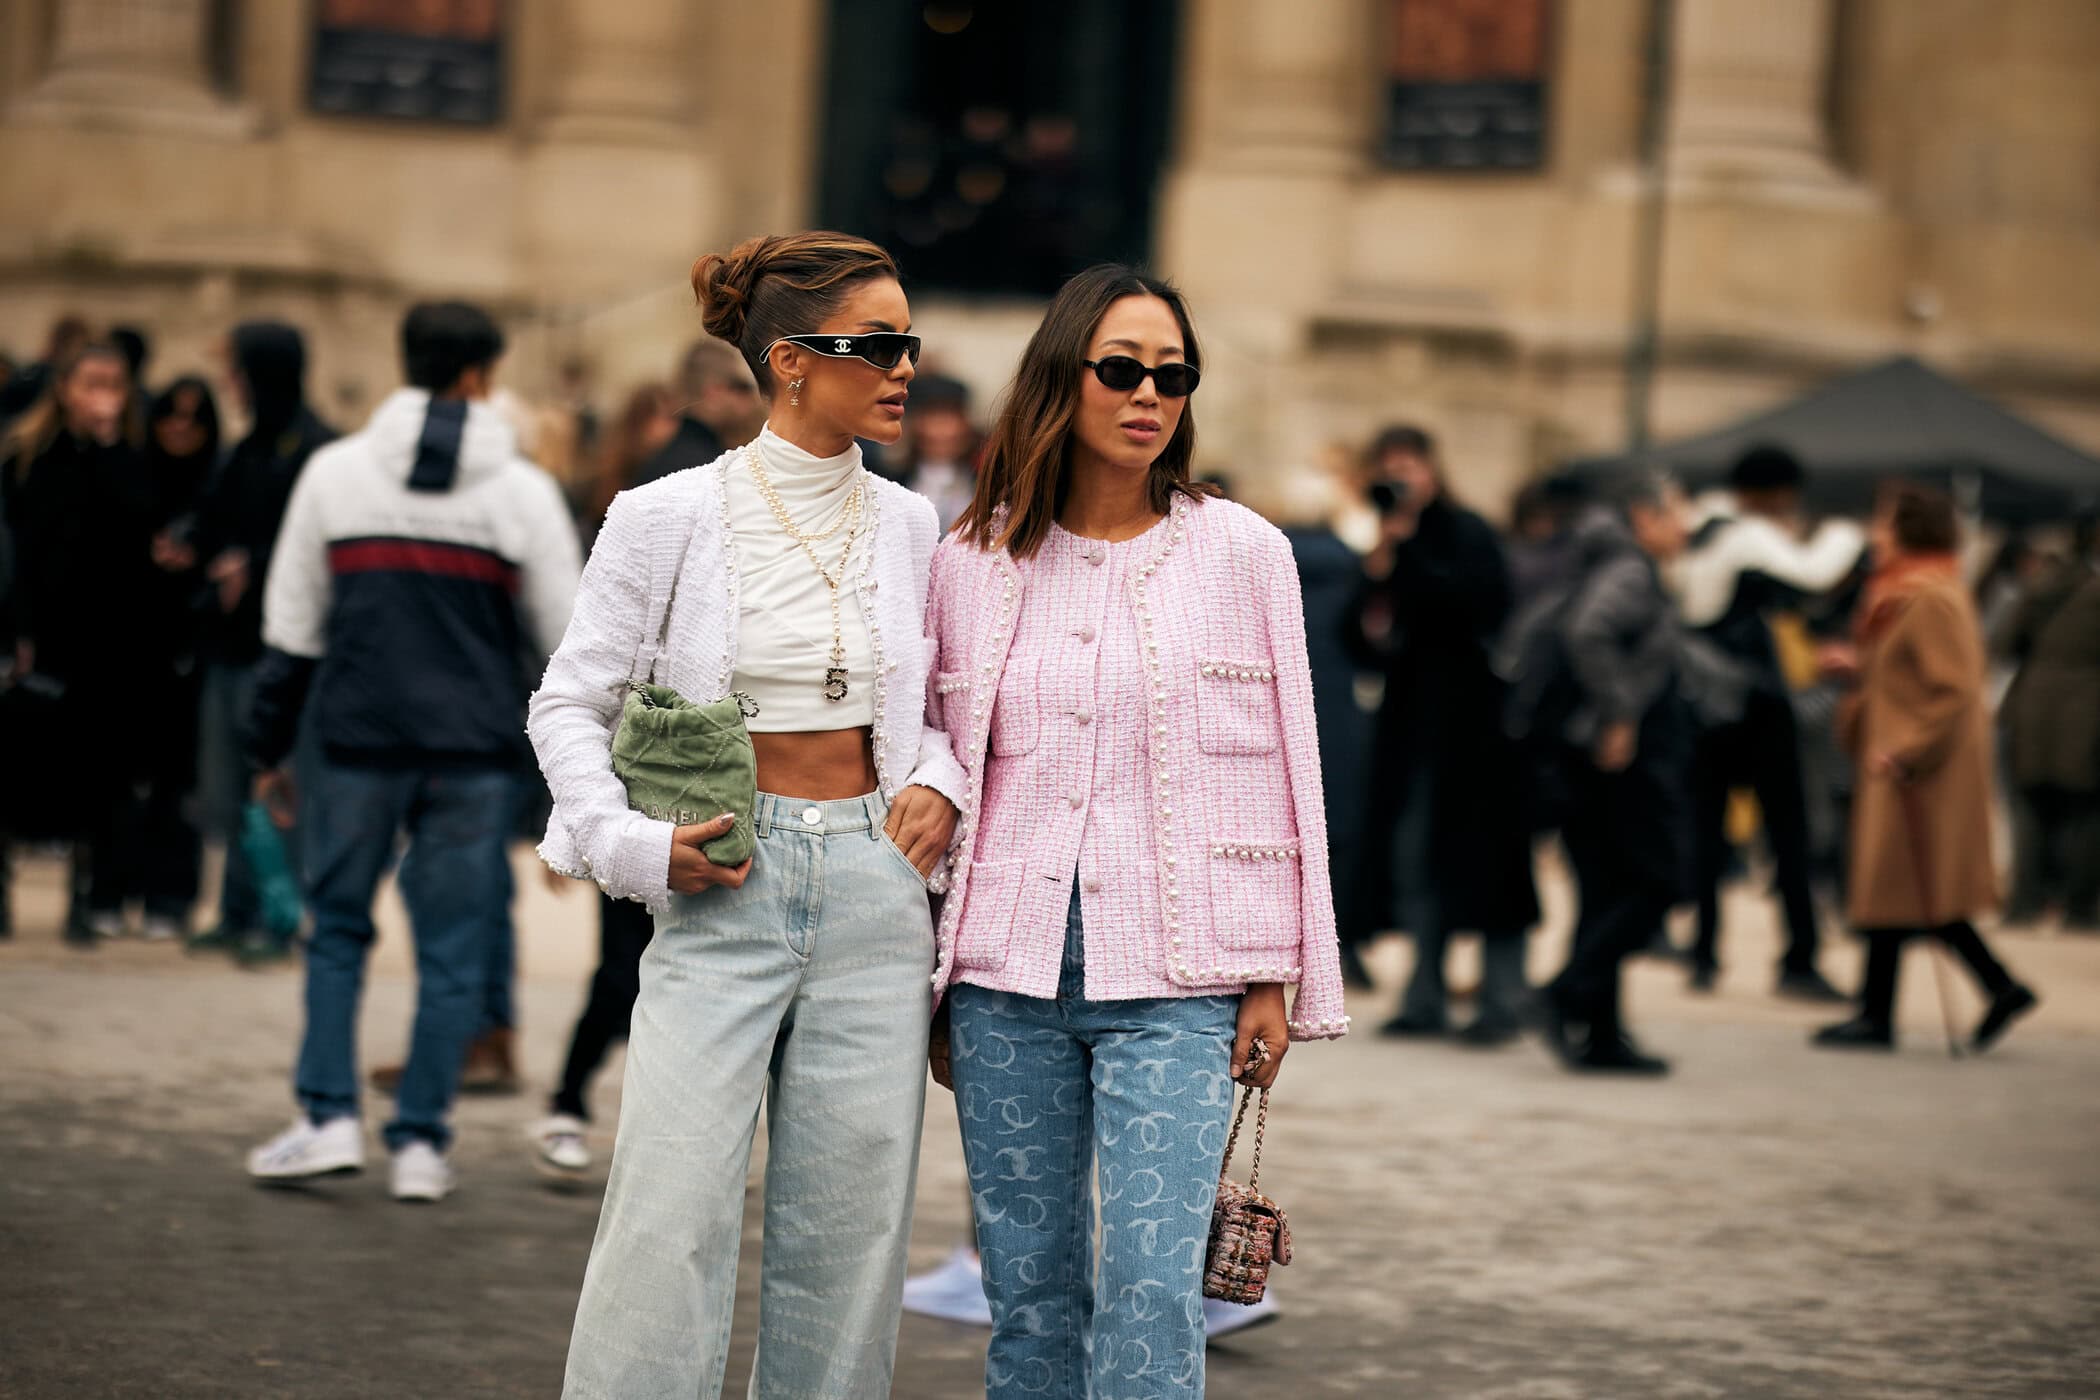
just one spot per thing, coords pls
(1918, 725)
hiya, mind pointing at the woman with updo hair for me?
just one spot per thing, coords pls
(786, 574)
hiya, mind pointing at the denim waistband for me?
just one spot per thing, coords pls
(772, 812)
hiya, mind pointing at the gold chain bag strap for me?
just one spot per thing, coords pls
(1248, 1231)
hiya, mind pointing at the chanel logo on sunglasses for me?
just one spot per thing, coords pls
(882, 349)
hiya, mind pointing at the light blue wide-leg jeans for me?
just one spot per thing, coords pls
(809, 989)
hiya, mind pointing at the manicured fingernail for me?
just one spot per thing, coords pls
(729, 817)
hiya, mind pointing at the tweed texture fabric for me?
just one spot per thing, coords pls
(667, 548)
(1141, 718)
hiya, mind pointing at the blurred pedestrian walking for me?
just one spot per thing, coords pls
(80, 513)
(1331, 580)
(797, 978)
(1143, 870)
(1541, 544)
(646, 424)
(158, 853)
(235, 538)
(1447, 841)
(718, 408)
(419, 559)
(1744, 560)
(1919, 726)
(1629, 738)
(561, 1140)
(941, 444)
(2051, 721)
(26, 384)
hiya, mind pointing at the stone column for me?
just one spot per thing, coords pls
(1294, 89)
(1747, 90)
(621, 191)
(131, 63)
(622, 73)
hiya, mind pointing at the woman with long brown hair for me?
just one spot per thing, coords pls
(647, 421)
(80, 511)
(786, 574)
(1141, 868)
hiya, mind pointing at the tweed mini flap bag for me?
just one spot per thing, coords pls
(1248, 1231)
(685, 763)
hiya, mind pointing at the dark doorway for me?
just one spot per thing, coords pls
(998, 147)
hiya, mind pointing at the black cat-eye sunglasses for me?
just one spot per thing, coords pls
(881, 349)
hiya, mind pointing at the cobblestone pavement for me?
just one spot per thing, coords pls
(1769, 1221)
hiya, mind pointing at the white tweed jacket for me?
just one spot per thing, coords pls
(665, 549)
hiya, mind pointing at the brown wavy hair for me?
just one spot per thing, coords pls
(1023, 478)
(39, 426)
(781, 284)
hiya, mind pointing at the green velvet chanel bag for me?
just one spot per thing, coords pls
(685, 763)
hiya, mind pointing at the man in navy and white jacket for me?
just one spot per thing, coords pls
(422, 561)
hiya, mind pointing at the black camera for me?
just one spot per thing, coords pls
(1389, 496)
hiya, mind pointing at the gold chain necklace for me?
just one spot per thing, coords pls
(835, 687)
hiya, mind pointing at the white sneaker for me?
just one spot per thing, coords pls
(421, 1173)
(159, 928)
(560, 1146)
(1222, 1319)
(307, 1150)
(954, 1292)
(108, 924)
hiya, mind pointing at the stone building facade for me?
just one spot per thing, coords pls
(1840, 180)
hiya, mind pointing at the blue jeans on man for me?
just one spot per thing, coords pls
(455, 879)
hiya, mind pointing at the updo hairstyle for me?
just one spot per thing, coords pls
(776, 285)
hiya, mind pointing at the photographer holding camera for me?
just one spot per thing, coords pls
(1446, 841)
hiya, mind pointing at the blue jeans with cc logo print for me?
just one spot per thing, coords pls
(1046, 1090)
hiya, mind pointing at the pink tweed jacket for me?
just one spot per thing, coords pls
(1227, 883)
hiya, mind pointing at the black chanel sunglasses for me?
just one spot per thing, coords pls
(881, 349)
(1176, 381)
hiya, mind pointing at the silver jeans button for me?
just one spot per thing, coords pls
(814, 816)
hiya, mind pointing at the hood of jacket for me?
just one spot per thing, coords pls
(1601, 534)
(271, 358)
(436, 445)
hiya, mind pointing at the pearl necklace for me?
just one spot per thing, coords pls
(835, 686)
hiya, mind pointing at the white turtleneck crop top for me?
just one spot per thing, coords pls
(784, 624)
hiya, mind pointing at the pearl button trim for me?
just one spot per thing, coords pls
(1169, 765)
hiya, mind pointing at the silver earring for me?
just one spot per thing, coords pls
(795, 393)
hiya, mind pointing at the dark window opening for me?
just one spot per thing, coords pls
(1466, 84)
(998, 147)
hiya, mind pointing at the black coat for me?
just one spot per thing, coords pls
(1330, 576)
(694, 445)
(1439, 735)
(82, 517)
(1628, 654)
(243, 508)
(82, 521)
(2052, 713)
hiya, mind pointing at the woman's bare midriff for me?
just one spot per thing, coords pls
(824, 767)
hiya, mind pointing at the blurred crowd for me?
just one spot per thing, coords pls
(1682, 691)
